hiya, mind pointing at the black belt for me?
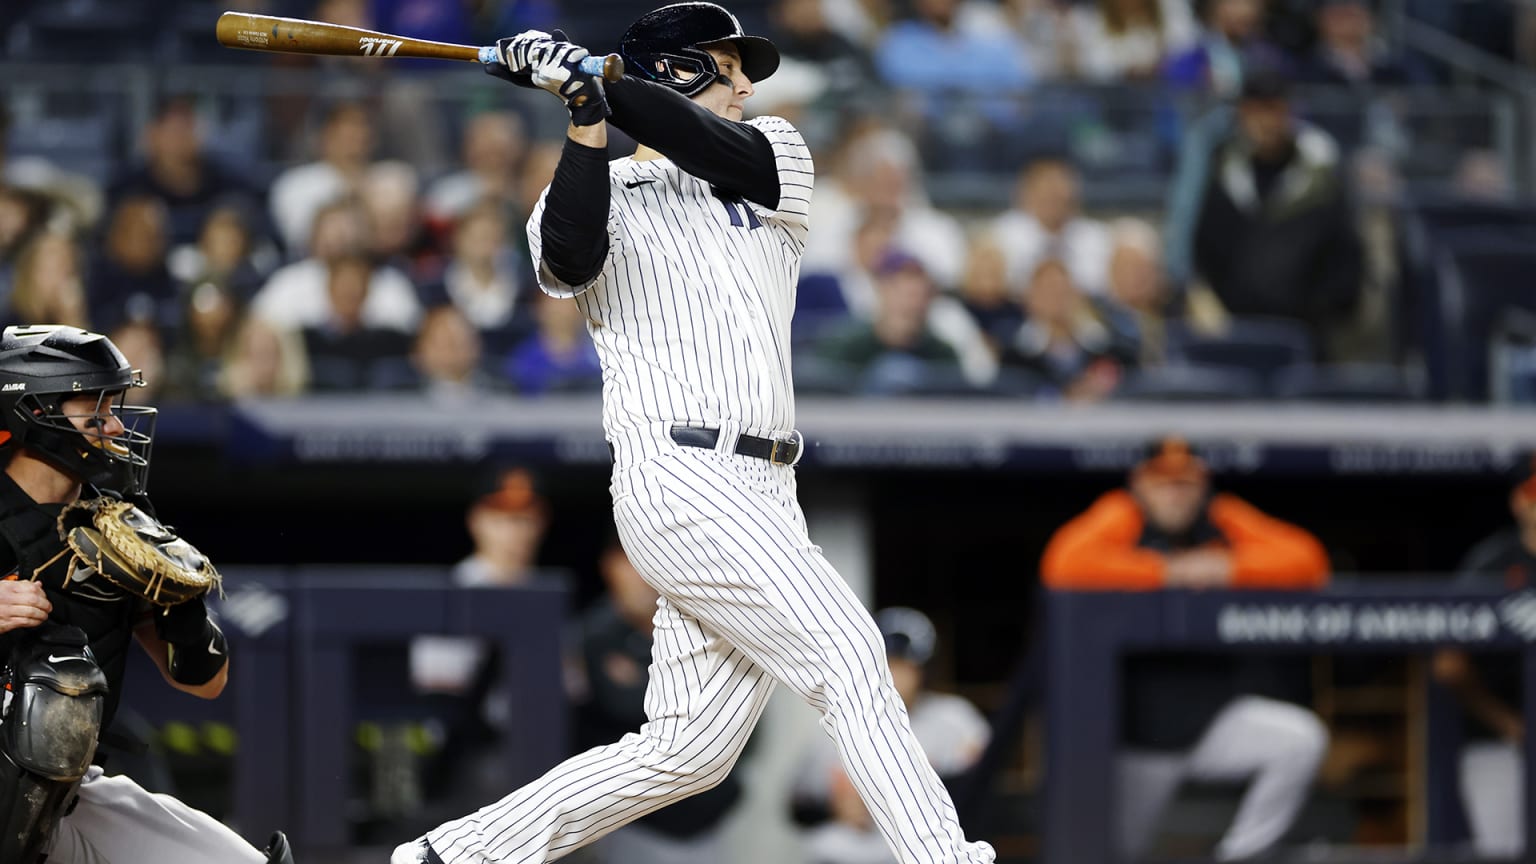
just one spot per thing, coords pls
(772, 449)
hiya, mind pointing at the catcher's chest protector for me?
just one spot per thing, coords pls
(32, 533)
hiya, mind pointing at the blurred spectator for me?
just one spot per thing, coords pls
(1074, 346)
(483, 279)
(987, 294)
(22, 215)
(895, 350)
(1275, 235)
(1046, 222)
(144, 350)
(345, 352)
(129, 279)
(264, 361)
(297, 295)
(1481, 175)
(47, 287)
(223, 255)
(558, 355)
(395, 232)
(506, 526)
(1348, 54)
(1136, 284)
(1488, 686)
(446, 358)
(817, 60)
(615, 646)
(494, 145)
(209, 317)
(878, 175)
(1214, 64)
(1118, 40)
(930, 54)
(860, 21)
(952, 732)
(537, 170)
(299, 193)
(177, 172)
(1204, 718)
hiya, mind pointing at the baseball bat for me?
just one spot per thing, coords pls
(298, 36)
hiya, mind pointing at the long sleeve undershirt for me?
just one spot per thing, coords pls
(730, 155)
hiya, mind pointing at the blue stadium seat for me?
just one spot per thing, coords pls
(1187, 383)
(1482, 281)
(1350, 382)
(1262, 346)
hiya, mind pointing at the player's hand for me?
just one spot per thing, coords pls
(556, 66)
(1199, 569)
(513, 53)
(22, 604)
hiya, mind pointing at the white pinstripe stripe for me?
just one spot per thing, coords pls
(691, 316)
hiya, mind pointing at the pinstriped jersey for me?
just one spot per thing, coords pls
(691, 310)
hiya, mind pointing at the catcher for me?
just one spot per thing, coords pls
(89, 571)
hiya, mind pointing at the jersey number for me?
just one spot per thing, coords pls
(735, 207)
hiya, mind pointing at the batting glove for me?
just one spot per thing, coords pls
(556, 66)
(514, 53)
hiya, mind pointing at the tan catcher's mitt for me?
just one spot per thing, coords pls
(133, 551)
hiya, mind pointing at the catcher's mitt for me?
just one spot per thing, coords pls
(135, 552)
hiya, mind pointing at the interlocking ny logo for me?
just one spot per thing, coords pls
(373, 46)
(1518, 612)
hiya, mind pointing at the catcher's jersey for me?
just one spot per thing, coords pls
(691, 311)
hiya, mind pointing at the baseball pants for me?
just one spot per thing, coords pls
(118, 822)
(746, 600)
(1274, 746)
(1493, 795)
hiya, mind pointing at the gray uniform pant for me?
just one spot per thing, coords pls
(118, 822)
(1493, 794)
(1276, 747)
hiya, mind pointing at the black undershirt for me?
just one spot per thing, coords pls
(726, 154)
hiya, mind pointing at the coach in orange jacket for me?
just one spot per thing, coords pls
(1199, 716)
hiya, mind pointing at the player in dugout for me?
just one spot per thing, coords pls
(1206, 718)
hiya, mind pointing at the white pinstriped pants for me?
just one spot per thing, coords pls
(746, 600)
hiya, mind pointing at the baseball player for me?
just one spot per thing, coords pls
(684, 258)
(65, 629)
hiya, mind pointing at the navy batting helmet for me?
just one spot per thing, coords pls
(663, 46)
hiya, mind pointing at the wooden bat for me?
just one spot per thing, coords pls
(297, 36)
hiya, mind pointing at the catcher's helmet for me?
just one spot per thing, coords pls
(663, 46)
(41, 366)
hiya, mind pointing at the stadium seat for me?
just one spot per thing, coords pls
(1481, 282)
(1186, 383)
(1260, 345)
(1350, 382)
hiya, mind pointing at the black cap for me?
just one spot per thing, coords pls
(1265, 77)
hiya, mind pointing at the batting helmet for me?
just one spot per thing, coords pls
(664, 46)
(41, 367)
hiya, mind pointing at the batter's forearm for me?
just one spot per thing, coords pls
(733, 156)
(574, 225)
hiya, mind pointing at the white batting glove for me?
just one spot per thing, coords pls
(555, 64)
(516, 50)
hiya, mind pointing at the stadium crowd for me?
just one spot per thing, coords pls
(370, 256)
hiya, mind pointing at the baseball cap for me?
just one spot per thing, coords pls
(908, 633)
(897, 261)
(1171, 457)
(514, 493)
(1265, 76)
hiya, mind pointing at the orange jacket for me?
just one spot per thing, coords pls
(1098, 551)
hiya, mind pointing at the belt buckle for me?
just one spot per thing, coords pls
(796, 441)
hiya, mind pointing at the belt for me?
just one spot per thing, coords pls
(775, 450)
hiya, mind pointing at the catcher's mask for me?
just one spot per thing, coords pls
(44, 366)
(664, 46)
